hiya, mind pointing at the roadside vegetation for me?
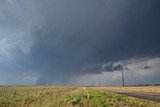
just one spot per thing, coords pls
(66, 97)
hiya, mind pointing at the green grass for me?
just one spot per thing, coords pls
(106, 99)
(66, 97)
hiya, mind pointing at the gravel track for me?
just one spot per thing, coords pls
(142, 95)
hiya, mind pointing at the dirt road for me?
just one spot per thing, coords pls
(142, 95)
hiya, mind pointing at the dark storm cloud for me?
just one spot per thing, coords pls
(112, 68)
(76, 37)
(147, 67)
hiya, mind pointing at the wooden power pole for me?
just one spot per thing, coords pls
(122, 78)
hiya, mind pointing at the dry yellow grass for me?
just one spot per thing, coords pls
(150, 89)
(33, 96)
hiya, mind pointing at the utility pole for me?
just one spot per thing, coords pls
(122, 78)
(91, 84)
(99, 84)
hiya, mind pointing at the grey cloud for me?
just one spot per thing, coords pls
(112, 68)
(147, 67)
(62, 39)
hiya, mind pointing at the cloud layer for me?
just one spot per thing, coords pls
(54, 41)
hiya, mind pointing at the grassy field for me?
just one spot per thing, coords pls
(48, 96)
(150, 89)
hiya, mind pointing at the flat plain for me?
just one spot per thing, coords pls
(59, 96)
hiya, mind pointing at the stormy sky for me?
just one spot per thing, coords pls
(70, 42)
